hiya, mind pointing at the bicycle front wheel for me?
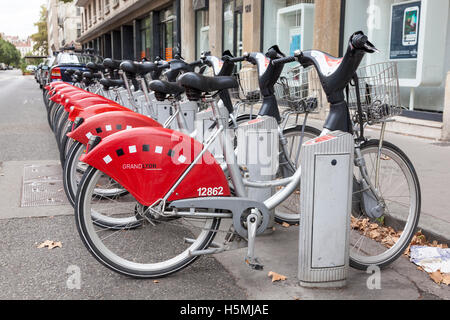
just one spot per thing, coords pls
(380, 241)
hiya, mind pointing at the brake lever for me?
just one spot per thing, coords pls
(371, 49)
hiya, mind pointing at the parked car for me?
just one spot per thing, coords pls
(70, 60)
(37, 73)
(31, 68)
(44, 71)
(3, 66)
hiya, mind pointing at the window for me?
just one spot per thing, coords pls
(78, 11)
(85, 20)
(232, 26)
(90, 15)
(167, 19)
(202, 31)
(95, 11)
(146, 38)
(100, 13)
(228, 26)
(78, 30)
(394, 27)
(288, 23)
(106, 6)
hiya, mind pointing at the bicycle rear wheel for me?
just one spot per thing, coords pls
(381, 241)
(289, 210)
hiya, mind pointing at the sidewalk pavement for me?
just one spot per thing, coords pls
(278, 252)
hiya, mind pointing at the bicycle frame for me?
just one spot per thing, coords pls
(290, 184)
(233, 168)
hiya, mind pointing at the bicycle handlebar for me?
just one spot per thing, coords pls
(163, 66)
(196, 63)
(361, 41)
(284, 60)
(238, 59)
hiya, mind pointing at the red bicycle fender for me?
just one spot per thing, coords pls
(107, 123)
(148, 162)
(60, 94)
(74, 97)
(93, 110)
(88, 101)
(57, 84)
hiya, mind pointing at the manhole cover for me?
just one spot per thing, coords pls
(42, 172)
(42, 186)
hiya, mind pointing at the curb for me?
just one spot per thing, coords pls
(434, 228)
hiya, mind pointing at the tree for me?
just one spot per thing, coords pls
(8, 53)
(41, 37)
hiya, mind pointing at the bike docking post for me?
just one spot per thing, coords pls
(326, 201)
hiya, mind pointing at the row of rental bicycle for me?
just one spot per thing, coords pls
(167, 161)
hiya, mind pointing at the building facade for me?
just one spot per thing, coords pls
(131, 29)
(25, 46)
(63, 25)
(415, 34)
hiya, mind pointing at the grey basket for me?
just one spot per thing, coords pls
(299, 90)
(378, 91)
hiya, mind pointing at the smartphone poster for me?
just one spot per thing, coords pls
(405, 23)
(295, 42)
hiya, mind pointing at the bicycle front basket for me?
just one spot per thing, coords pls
(248, 90)
(299, 90)
(379, 92)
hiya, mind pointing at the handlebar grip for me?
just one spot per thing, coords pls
(196, 63)
(164, 66)
(359, 40)
(284, 60)
(237, 59)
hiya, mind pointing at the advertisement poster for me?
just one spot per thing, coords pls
(405, 30)
(295, 37)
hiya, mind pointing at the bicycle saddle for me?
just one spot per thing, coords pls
(163, 88)
(89, 75)
(108, 83)
(202, 83)
(112, 64)
(137, 68)
(95, 66)
(147, 67)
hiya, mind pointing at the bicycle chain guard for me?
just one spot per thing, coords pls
(238, 206)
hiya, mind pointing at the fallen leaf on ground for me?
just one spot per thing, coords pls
(155, 281)
(50, 244)
(436, 277)
(285, 224)
(276, 277)
(446, 278)
(388, 237)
